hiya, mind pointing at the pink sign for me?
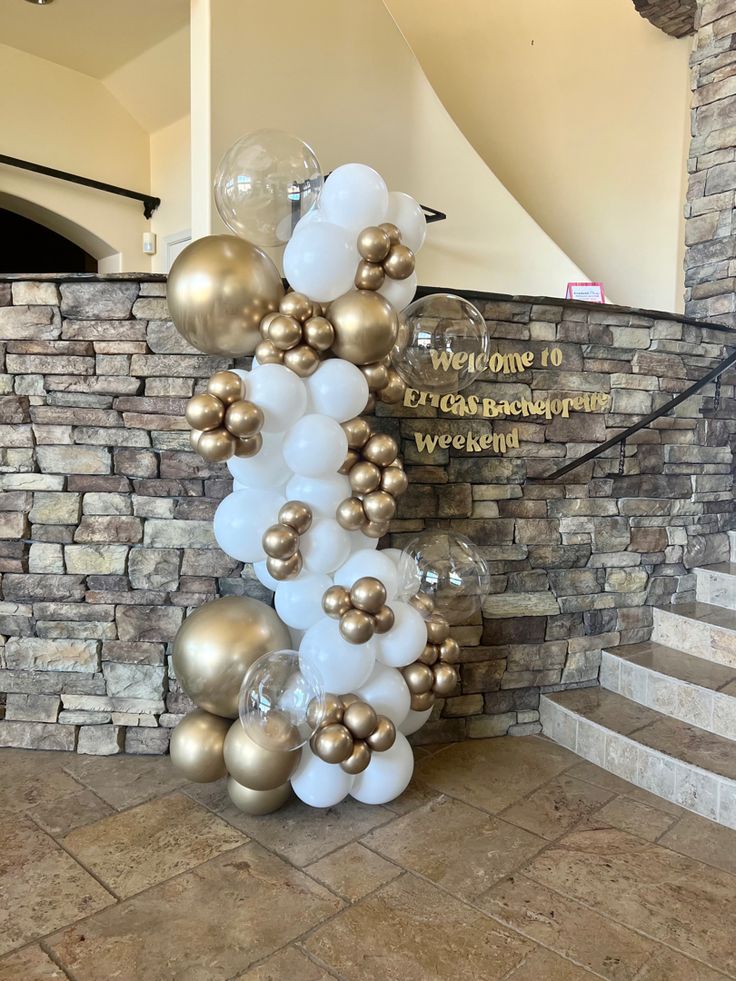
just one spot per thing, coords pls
(592, 292)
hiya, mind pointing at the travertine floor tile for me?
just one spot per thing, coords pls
(353, 871)
(703, 840)
(411, 931)
(557, 806)
(210, 923)
(458, 847)
(543, 965)
(494, 773)
(70, 811)
(41, 887)
(30, 964)
(289, 964)
(633, 816)
(29, 778)
(688, 905)
(152, 842)
(125, 780)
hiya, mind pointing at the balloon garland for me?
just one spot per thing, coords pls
(314, 489)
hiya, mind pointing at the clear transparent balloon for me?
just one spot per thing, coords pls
(265, 183)
(274, 701)
(451, 571)
(442, 345)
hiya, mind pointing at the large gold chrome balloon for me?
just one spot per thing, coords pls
(252, 765)
(257, 802)
(365, 326)
(197, 746)
(220, 288)
(216, 645)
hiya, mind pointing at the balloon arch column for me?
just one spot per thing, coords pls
(318, 695)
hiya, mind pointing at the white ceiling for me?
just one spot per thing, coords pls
(92, 36)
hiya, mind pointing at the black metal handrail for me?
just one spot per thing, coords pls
(663, 410)
(150, 203)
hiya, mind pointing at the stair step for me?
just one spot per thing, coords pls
(716, 584)
(673, 759)
(700, 629)
(667, 680)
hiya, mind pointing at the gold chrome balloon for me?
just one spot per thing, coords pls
(358, 759)
(420, 703)
(422, 603)
(219, 289)
(216, 445)
(296, 515)
(226, 386)
(445, 679)
(332, 743)
(243, 419)
(285, 568)
(399, 263)
(336, 602)
(438, 629)
(252, 765)
(365, 326)
(248, 446)
(364, 477)
(418, 677)
(394, 235)
(368, 594)
(370, 405)
(296, 305)
(376, 529)
(194, 438)
(216, 645)
(430, 654)
(357, 431)
(267, 353)
(356, 627)
(374, 243)
(449, 651)
(379, 506)
(302, 360)
(257, 802)
(381, 449)
(197, 746)
(394, 481)
(325, 712)
(350, 460)
(384, 620)
(319, 333)
(284, 332)
(360, 718)
(376, 375)
(383, 736)
(393, 391)
(280, 541)
(369, 276)
(204, 411)
(350, 514)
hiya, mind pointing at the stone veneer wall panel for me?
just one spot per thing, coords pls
(674, 17)
(105, 512)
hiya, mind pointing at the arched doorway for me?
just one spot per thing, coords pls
(26, 246)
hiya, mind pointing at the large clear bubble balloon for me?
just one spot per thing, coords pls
(265, 183)
(274, 698)
(451, 571)
(442, 345)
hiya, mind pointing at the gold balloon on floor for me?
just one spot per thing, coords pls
(258, 802)
(220, 288)
(252, 765)
(216, 645)
(197, 746)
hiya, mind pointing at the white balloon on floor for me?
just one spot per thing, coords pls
(299, 601)
(387, 775)
(320, 784)
(315, 446)
(342, 666)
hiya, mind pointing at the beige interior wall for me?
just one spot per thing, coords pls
(170, 180)
(66, 120)
(580, 108)
(341, 76)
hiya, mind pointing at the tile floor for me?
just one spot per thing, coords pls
(506, 859)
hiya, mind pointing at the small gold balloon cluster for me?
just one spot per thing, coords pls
(381, 255)
(362, 610)
(224, 423)
(349, 730)
(297, 335)
(384, 383)
(376, 478)
(434, 673)
(281, 541)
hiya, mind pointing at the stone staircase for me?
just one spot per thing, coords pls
(664, 717)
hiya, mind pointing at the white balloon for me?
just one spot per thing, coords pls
(313, 216)
(279, 393)
(354, 196)
(387, 775)
(296, 637)
(315, 446)
(267, 469)
(410, 579)
(338, 389)
(342, 666)
(414, 721)
(399, 292)
(240, 521)
(406, 640)
(407, 215)
(264, 576)
(325, 546)
(320, 784)
(299, 601)
(320, 260)
(369, 563)
(360, 542)
(387, 692)
(322, 494)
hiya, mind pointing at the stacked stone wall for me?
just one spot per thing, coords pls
(674, 17)
(106, 513)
